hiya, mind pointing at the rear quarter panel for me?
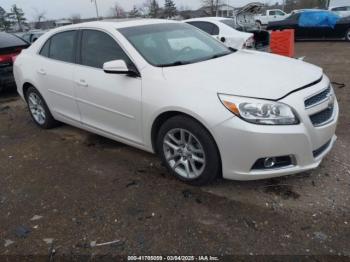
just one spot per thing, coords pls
(24, 72)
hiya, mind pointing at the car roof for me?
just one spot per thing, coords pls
(9, 40)
(214, 19)
(118, 23)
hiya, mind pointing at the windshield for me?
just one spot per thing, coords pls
(173, 44)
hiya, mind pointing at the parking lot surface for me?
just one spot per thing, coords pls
(69, 190)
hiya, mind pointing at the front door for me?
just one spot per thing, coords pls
(110, 103)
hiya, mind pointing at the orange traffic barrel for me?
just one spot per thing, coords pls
(282, 42)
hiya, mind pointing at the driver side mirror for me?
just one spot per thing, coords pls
(119, 67)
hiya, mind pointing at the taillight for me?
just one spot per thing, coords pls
(5, 59)
(10, 58)
(14, 58)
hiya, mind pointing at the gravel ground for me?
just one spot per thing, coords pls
(68, 190)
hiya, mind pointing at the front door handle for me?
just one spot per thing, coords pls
(82, 83)
(42, 72)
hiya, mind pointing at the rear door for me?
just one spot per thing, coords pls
(55, 74)
(207, 27)
(300, 32)
(339, 31)
(272, 16)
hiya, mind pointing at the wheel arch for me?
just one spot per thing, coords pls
(25, 88)
(164, 116)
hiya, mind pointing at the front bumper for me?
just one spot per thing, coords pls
(241, 143)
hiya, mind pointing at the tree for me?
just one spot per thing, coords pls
(153, 8)
(5, 22)
(118, 11)
(75, 18)
(17, 15)
(134, 12)
(2, 12)
(211, 6)
(170, 9)
(39, 16)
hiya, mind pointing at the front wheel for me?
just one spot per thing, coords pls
(188, 150)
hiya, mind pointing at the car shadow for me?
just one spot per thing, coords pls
(9, 95)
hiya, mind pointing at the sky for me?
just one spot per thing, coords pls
(57, 9)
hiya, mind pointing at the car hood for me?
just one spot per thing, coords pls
(246, 73)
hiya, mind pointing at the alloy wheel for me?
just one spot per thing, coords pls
(184, 153)
(36, 108)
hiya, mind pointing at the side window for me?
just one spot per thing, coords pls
(339, 9)
(98, 48)
(46, 49)
(62, 46)
(280, 13)
(216, 30)
(272, 13)
(206, 27)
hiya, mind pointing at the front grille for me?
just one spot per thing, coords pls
(320, 150)
(322, 117)
(316, 99)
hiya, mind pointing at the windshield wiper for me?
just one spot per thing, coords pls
(179, 63)
(176, 63)
(223, 54)
(219, 55)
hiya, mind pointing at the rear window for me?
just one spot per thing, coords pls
(8, 40)
(62, 46)
(342, 8)
(45, 51)
(230, 22)
(207, 27)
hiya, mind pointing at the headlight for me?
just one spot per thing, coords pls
(262, 112)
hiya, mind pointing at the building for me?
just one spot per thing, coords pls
(225, 10)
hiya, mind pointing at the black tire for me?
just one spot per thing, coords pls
(212, 167)
(49, 122)
(347, 35)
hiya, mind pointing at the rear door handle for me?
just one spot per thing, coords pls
(42, 72)
(82, 83)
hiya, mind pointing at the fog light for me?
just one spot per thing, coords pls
(269, 162)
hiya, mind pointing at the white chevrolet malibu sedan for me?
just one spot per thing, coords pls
(171, 89)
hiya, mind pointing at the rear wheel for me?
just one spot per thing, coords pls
(38, 109)
(188, 150)
(347, 36)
